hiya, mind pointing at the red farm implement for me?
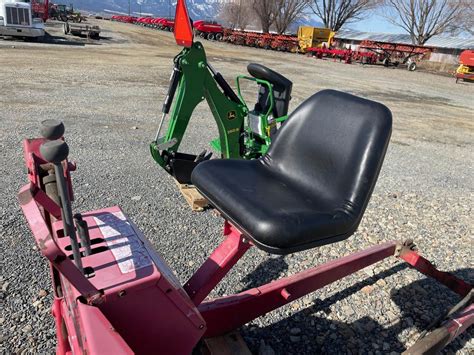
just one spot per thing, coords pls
(115, 294)
(284, 43)
(396, 54)
(125, 19)
(210, 30)
(336, 54)
(166, 24)
(347, 55)
(234, 37)
(465, 71)
(252, 39)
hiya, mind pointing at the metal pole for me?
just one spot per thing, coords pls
(240, 11)
(129, 7)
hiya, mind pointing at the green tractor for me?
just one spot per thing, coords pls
(243, 132)
(64, 13)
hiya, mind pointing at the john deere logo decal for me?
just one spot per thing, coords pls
(231, 115)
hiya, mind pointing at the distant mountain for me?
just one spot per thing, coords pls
(308, 20)
(198, 9)
(201, 9)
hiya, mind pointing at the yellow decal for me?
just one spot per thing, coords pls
(231, 115)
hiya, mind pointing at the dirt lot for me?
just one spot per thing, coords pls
(109, 94)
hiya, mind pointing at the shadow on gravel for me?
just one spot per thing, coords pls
(51, 39)
(80, 41)
(266, 272)
(426, 300)
(309, 331)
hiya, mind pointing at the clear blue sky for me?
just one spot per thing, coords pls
(375, 23)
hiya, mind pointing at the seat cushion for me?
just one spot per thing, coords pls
(313, 185)
(267, 208)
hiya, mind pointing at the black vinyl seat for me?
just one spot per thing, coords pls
(313, 185)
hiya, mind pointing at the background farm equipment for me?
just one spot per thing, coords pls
(313, 37)
(125, 19)
(393, 54)
(284, 43)
(210, 30)
(347, 55)
(86, 30)
(166, 24)
(61, 12)
(40, 9)
(336, 54)
(465, 71)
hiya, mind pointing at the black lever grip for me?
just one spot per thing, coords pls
(52, 129)
(54, 151)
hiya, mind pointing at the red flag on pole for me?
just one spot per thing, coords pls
(183, 32)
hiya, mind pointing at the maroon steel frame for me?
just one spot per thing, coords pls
(87, 309)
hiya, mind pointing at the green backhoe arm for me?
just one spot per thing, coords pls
(198, 81)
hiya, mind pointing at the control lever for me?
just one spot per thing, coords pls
(55, 152)
(83, 231)
(51, 130)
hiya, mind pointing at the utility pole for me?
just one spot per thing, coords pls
(240, 11)
(129, 7)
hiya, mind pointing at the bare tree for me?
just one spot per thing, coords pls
(230, 14)
(423, 19)
(336, 13)
(287, 12)
(238, 13)
(265, 11)
(464, 23)
(246, 13)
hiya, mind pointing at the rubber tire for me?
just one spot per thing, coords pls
(219, 37)
(386, 62)
(411, 66)
(210, 36)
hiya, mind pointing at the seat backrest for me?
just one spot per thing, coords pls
(281, 90)
(332, 146)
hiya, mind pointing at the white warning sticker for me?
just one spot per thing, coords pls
(120, 237)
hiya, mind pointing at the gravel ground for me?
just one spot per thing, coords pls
(109, 95)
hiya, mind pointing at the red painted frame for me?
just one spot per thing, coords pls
(92, 319)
